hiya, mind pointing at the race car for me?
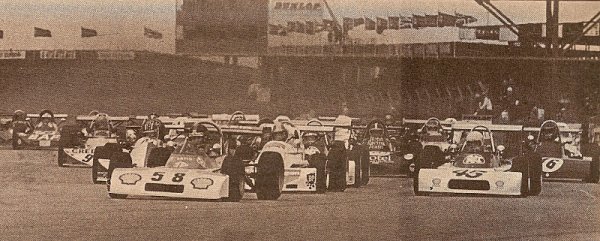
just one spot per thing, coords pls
(78, 143)
(170, 133)
(5, 129)
(384, 159)
(306, 168)
(420, 134)
(479, 167)
(200, 168)
(564, 158)
(345, 136)
(319, 139)
(44, 135)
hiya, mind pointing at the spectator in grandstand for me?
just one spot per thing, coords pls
(508, 99)
(484, 104)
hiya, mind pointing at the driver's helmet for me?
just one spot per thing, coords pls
(152, 126)
(376, 130)
(153, 116)
(310, 138)
(46, 116)
(199, 132)
(19, 115)
(474, 142)
(548, 132)
(432, 125)
(101, 122)
(279, 132)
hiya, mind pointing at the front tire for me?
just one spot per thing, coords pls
(269, 178)
(233, 166)
(337, 164)
(62, 157)
(535, 174)
(594, 176)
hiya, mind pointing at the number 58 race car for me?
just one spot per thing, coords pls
(478, 167)
(202, 167)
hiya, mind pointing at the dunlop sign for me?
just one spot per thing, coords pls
(12, 54)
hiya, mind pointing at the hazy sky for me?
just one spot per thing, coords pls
(121, 22)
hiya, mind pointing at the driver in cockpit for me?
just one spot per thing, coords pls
(46, 122)
(474, 143)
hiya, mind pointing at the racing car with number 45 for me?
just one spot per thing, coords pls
(479, 167)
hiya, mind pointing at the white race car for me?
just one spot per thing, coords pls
(306, 167)
(193, 172)
(478, 167)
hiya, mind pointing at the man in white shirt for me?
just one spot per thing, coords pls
(485, 105)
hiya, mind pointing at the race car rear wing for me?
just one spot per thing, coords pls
(478, 118)
(562, 127)
(110, 118)
(422, 122)
(225, 118)
(55, 116)
(239, 129)
(315, 128)
(491, 127)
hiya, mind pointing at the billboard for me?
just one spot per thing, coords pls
(217, 27)
(298, 23)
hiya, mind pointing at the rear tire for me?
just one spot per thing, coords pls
(337, 163)
(103, 152)
(269, 178)
(365, 164)
(594, 176)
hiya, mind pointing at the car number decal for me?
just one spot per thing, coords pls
(469, 173)
(157, 176)
(552, 164)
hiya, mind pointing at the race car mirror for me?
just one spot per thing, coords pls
(501, 148)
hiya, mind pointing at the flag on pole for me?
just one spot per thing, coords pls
(394, 23)
(370, 24)
(382, 24)
(40, 32)
(88, 32)
(149, 33)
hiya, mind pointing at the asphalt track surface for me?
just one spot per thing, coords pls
(40, 201)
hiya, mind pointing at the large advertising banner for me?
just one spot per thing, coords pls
(217, 27)
(298, 23)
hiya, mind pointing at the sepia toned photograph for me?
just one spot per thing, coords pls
(300, 120)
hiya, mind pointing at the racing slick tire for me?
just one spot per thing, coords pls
(102, 152)
(521, 164)
(16, 141)
(365, 165)
(234, 168)
(535, 174)
(594, 176)
(61, 157)
(355, 155)
(117, 160)
(269, 176)
(319, 162)
(337, 163)
(431, 157)
(159, 156)
(415, 178)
